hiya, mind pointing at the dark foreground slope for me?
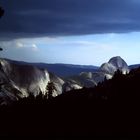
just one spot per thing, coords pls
(112, 108)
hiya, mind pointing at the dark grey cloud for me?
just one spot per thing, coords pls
(29, 18)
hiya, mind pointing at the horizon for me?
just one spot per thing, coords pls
(80, 32)
(67, 63)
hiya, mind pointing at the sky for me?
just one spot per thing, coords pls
(87, 32)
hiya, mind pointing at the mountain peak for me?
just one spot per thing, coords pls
(116, 57)
(115, 63)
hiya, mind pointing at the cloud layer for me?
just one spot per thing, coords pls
(35, 18)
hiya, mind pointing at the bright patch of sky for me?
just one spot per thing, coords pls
(84, 50)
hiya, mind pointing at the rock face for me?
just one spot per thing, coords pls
(84, 79)
(18, 81)
(71, 85)
(108, 68)
(114, 64)
(58, 83)
(27, 79)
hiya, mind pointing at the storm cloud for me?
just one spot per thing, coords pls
(35, 18)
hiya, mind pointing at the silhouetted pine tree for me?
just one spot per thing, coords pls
(50, 89)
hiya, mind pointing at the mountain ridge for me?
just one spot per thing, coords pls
(60, 69)
(23, 79)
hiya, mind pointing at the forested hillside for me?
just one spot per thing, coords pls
(111, 108)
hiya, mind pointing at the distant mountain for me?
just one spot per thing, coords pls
(134, 66)
(62, 70)
(91, 79)
(114, 64)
